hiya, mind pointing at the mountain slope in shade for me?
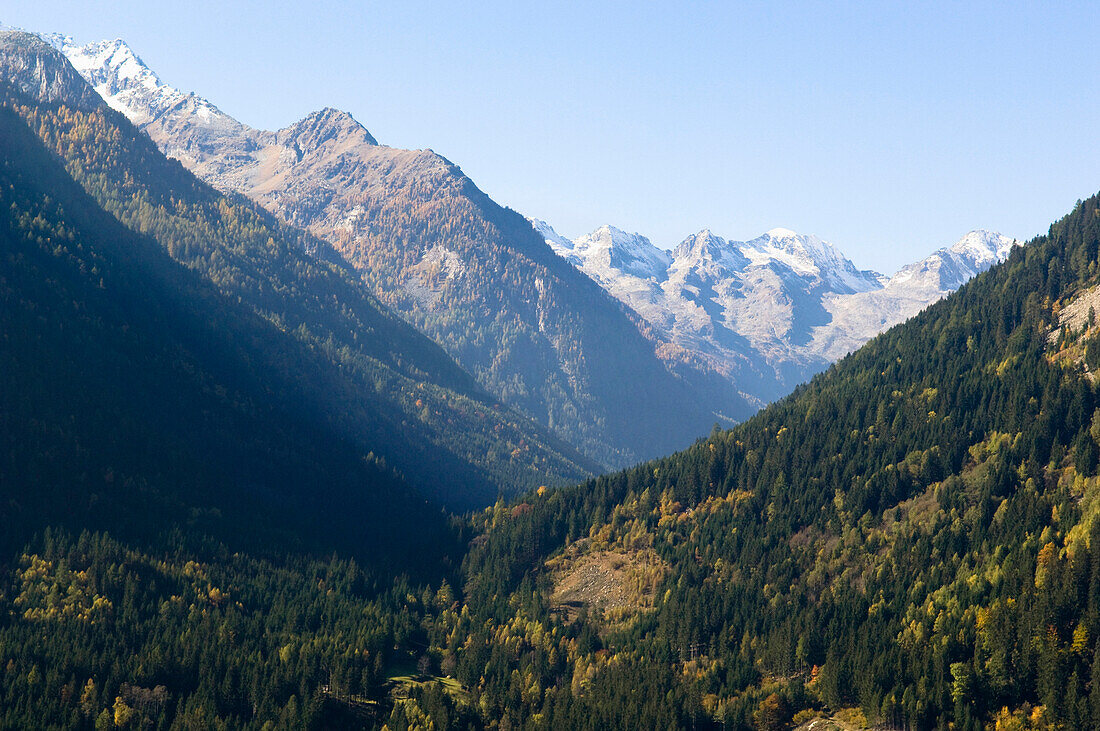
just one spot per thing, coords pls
(372, 377)
(32, 68)
(472, 275)
(133, 387)
(772, 311)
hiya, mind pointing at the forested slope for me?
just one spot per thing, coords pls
(195, 536)
(171, 497)
(913, 533)
(137, 398)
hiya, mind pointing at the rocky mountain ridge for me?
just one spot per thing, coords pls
(787, 303)
(352, 363)
(749, 319)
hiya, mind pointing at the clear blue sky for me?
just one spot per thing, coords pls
(889, 129)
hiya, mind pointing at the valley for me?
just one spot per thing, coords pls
(298, 430)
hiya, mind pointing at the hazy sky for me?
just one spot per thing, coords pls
(887, 129)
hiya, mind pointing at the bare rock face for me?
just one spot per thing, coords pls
(32, 65)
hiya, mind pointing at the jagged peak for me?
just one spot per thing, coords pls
(128, 85)
(113, 62)
(981, 243)
(704, 240)
(106, 48)
(331, 115)
(792, 241)
(612, 248)
(324, 126)
(608, 236)
(705, 236)
(947, 268)
(706, 249)
(700, 239)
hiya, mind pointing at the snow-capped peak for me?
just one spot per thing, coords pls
(781, 233)
(984, 246)
(128, 85)
(804, 254)
(809, 255)
(948, 268)
(112, 68)
(630, 253)
(115, 60)
(706, 251)
(817, 250)
(608, 252)
(561, 245)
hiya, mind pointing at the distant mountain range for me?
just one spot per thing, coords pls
(772, 311)
(711, 330)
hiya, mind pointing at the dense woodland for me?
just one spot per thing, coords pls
(194, 538)
(913, 533)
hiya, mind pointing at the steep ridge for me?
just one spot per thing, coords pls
(383, 385)
(770, 312)
(134, 388)
(913, 536)
(33, 68)
(472, 275)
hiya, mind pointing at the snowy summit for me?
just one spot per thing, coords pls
(773, 310)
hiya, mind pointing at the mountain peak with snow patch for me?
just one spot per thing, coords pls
(809, 256)
(707, 252)
(982, 245)
(129, 86)
(949, 268)
(614, 250)
(561, 245)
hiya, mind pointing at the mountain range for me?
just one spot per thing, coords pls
(372, 377)
(470, 274)
(231, 477)
(771, 312)
(711, 331)
(910, 540)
